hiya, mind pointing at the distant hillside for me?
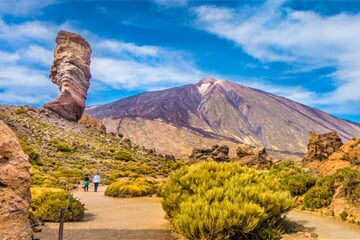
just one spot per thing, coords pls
(62, 152)
(176, 120)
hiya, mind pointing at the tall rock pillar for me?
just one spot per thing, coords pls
(71, 72)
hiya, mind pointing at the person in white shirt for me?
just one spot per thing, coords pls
(96, 181)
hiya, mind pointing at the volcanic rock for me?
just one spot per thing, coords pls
(91, 122)
(71, 72)
(252, 156)
(14, 187)
(321, 146)
(215, 153)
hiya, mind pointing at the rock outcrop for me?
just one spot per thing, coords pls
(321, 146)
(252, 156)
(215, 153)
(91, 122)
(14, 187)
(71, 72)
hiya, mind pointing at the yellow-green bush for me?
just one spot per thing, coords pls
(293, 177)
(225, 201)
(46, 205)
(322, 193)
(134, 187)
(63, 147)
(122, 155)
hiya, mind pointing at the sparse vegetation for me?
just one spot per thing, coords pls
(225, 201)
(61, 152)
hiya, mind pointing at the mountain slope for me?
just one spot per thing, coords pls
(62, 152)
(214, 110)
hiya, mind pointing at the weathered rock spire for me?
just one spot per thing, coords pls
(71, 72)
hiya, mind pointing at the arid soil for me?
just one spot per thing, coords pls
(114, 219)
(326, 228)
(143, 219)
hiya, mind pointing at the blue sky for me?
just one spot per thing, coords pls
(307, 51)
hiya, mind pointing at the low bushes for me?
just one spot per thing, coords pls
(123, 155)
(63, 147)
(225, 201)
(47, 202)
(134, 187)
(322, 193)
(298, 184)
(293, 177)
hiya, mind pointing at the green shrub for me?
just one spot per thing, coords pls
(46, 206)
(122, 155)
(344, 215)
(212, 200)
(63, 147)
(318, 197)
(134, 187)
(298, 184)
(321, 195)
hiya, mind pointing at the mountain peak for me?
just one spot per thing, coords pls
(204, 84)
(206, 80)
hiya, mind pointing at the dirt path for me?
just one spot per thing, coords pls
(326, 228)
(114, 219)
(143, 219)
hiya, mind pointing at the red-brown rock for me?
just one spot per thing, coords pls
(252, 156)
(71, 72)
(15, 184)
(91, 122)
(321, 146)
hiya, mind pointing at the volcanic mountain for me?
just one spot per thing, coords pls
(176, 120)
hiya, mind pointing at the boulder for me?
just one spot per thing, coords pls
(252, 156)
(71, 72)
(15, 184)
(215, 153)
(321, 146)
(91, 122)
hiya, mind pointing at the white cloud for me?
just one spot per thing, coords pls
(126, 65)
(305, 39)
(37, 54)
(117, 47)
(171, 3)
(23, 7)
(24, 85)
(27, 31)
(130, 74)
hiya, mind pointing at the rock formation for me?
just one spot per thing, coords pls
(91, 122)
(215, 153)
(14, 188)
(71, 72)
(252, 156)
(321, 146)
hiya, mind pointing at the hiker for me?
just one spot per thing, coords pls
(96, 181)
(86, 183)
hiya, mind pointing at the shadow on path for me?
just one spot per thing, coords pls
(108, 234)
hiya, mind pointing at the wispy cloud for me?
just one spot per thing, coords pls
(273, 33)
(171, 3)
(23, 7)
(125, 65)
(116, 64)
